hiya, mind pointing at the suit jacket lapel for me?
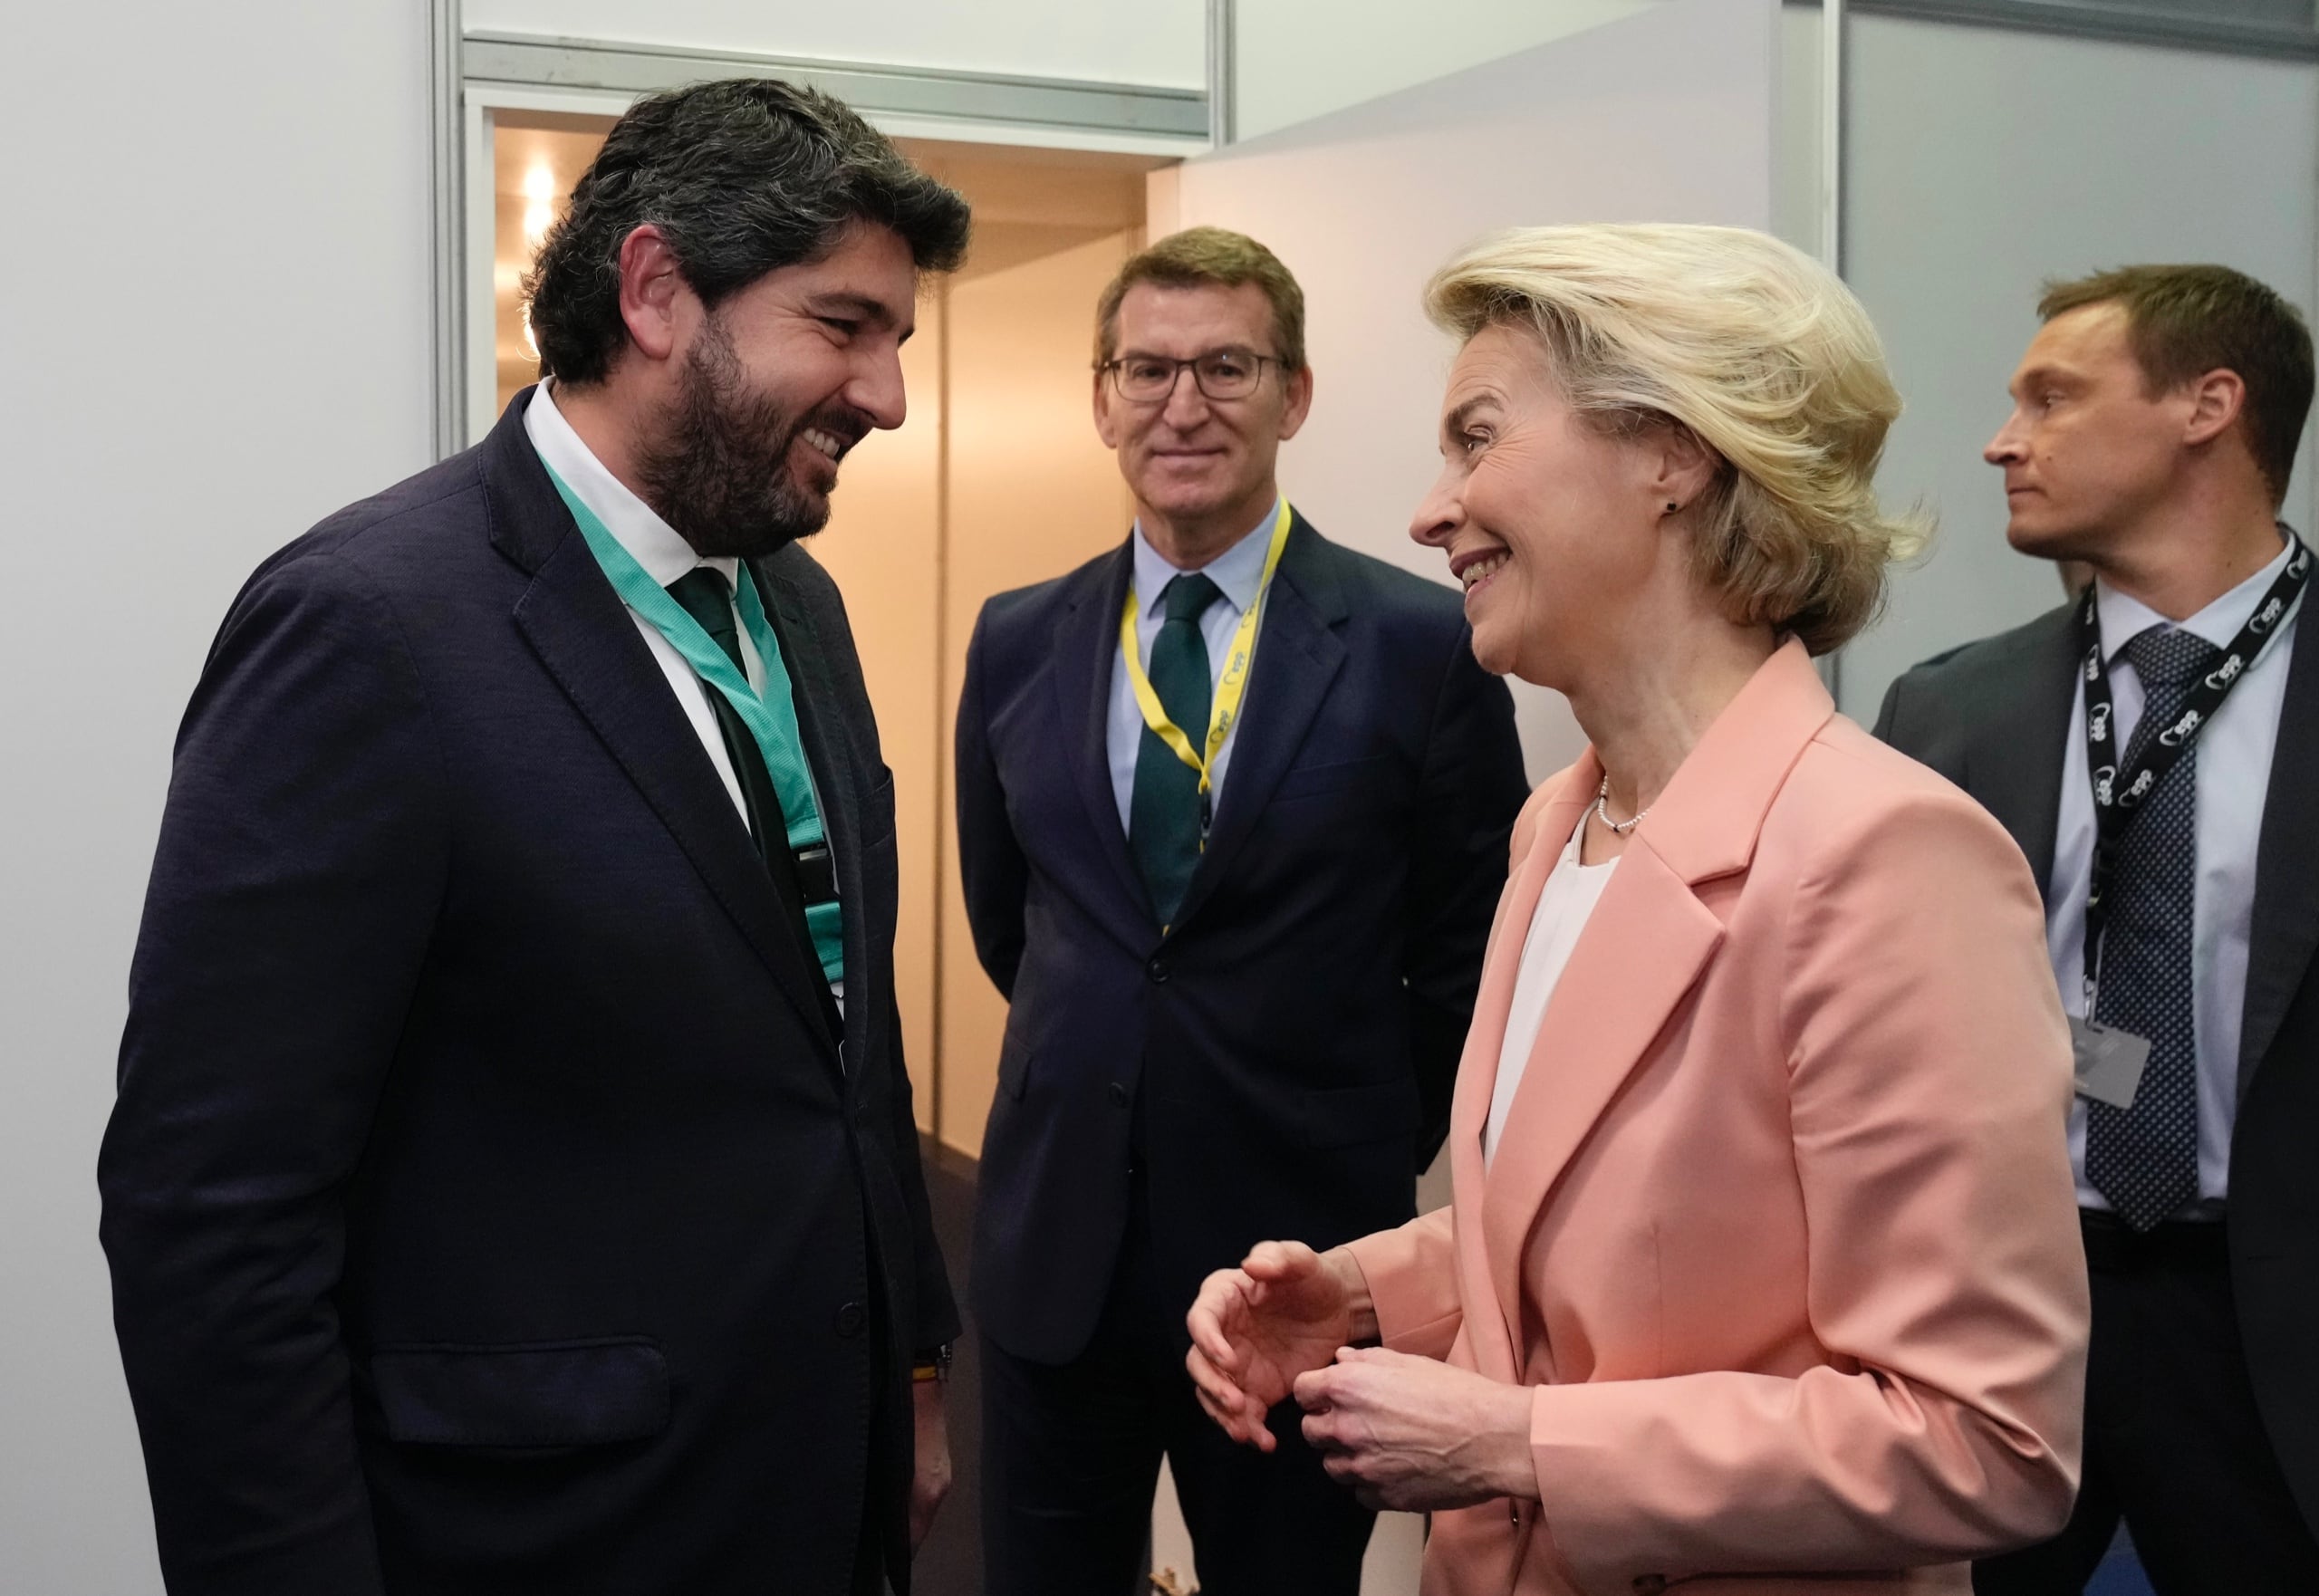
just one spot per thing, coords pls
(2013, 764)
(1085, 654)
(821, 722)
(588, 643)
(1646, 944)
(1298, 655)
(2284, 929)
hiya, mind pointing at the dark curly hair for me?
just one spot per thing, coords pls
(745, 176)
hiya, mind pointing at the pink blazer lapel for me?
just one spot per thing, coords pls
(1493, 1337)
(1647, 944)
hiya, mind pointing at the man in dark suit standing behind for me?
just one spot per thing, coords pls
(1233, 811)
(2155, 749)
(513, 1186)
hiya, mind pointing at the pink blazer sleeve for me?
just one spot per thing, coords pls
(1412, 1278)
(1929, 1079)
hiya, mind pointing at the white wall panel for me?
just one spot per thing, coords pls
(1667, 115)
(1154, 41)
(218, 269)
(1979, 163)
(1300, 59)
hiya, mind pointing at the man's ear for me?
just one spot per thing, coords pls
(2217, 401)
(651, 289)
(1107, 426)
(1296, 387)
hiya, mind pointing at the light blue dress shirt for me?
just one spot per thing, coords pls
(1238, 573)
(2234, 777)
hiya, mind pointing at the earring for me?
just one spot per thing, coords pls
(1672, 506)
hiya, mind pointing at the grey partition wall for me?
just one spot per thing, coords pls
(1666, 114)
(1978, 162)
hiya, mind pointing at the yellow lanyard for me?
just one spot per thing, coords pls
(1230, 687)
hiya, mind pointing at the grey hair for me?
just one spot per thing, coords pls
(744, 176)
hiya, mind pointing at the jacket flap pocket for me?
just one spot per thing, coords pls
(1343, 1116)
(554, 1394)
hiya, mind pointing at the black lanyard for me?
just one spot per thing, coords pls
(2118, 795)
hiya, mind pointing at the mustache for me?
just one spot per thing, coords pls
(841, 421)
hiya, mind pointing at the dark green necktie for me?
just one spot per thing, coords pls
(707, 598)
(1164, 820)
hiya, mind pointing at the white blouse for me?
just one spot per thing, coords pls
(1565, 904)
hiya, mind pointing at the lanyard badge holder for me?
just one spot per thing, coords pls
(2108, 1062)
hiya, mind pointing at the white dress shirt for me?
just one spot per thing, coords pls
(1238, 573)
(1564, 905)
(664, 557)
(2234, 773)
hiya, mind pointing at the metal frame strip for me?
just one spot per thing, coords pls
(448, 227)
(2107, 19)
(963, 97)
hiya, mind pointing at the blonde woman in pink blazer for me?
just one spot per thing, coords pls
(1762, 1271)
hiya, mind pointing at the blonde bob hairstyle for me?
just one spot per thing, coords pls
(1757, 349)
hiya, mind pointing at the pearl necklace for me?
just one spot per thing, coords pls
(1602, 811)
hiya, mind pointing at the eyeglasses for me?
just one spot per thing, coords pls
(1220, 374)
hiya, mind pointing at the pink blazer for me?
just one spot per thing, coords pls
(1781, 1227)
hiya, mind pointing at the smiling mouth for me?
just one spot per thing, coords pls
(826, 443)
(1475, 571)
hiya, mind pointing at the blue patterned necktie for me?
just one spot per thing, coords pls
(1163, 830)
(2144, 1160)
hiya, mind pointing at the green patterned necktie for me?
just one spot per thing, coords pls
(708, 599)
(1164, 828)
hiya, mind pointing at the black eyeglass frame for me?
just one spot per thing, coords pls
(1111, 368)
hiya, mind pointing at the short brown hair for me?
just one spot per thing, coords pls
(2183, 322)
(1201, 256)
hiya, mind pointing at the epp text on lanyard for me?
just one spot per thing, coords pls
(2119, 793)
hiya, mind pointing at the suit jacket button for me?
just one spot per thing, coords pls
(1119, 1094)
(1158, 970)
(850, 1320)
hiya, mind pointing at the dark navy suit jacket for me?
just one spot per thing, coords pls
(487, 1207)
(1293, 1038)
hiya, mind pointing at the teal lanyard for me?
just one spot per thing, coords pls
(771, 719)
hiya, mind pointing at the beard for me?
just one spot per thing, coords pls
(718, 473)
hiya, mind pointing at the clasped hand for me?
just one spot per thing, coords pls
(1402, 1432)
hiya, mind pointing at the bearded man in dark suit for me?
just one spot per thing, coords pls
(513, 1186)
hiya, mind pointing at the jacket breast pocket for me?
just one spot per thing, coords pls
(1354, 781)
(532, 1395)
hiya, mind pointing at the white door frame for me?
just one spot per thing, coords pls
(476, 76)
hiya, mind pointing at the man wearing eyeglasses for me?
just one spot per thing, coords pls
(1233, 811)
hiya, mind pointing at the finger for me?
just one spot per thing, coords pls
(1255, 1419)
(1226, 1417)
(1212, 1383)
(1279, 1260)
(1316, 1390)
(1320, 1433)
(1206, 1322)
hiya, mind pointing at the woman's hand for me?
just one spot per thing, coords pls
(1413, 1435)
(1285, 1311)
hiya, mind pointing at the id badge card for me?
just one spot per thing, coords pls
(2108, 1062)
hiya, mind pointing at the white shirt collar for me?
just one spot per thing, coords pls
(1238, 572)
(650, 541)
(2124, 618)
